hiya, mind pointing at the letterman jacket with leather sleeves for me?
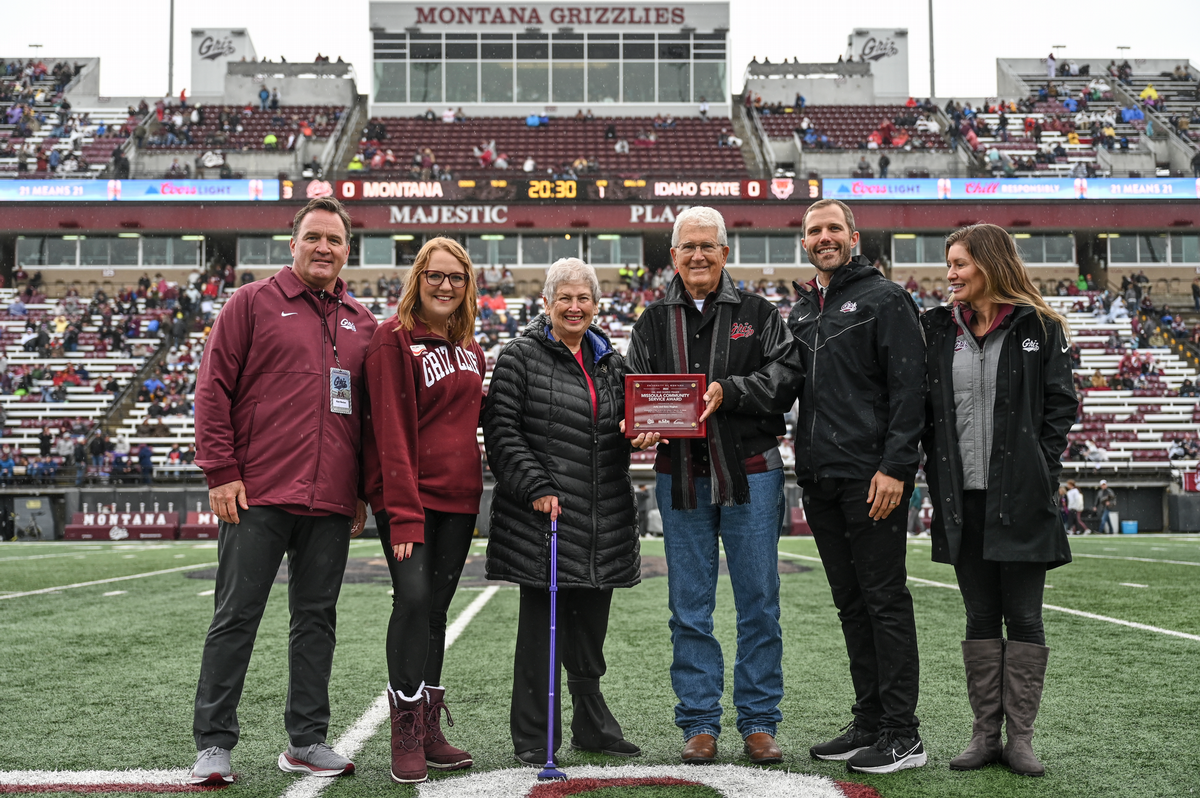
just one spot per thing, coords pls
(764, 368)
(1035, 407)
(863, 351)
(262, 396)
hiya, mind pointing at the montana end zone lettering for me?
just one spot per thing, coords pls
(557, 15)
(448, 214)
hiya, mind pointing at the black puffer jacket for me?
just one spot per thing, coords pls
(542, 440)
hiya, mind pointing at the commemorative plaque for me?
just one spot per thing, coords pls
(670, 404)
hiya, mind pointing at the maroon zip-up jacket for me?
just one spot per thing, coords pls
(420, 449)
(262, 396)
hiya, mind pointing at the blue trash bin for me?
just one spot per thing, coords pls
(1129, 527)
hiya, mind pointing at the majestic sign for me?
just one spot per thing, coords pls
(448, 214)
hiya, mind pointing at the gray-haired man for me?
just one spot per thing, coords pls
(725, 488)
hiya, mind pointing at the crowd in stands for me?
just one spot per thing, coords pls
(25, 82)
(179, 124)
(449, 145)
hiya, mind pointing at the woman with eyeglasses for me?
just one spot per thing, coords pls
(424, 478)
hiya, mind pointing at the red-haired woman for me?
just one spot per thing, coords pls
(424, 479)
(1001, 402)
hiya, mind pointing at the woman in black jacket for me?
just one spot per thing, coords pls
(553, 428)
(1001, 402)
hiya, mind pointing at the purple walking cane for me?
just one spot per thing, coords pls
(551, 771)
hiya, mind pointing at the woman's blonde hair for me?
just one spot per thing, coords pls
(1006, 280)
(461, 327)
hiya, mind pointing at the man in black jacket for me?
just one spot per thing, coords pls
(726, 487)
(862, 408)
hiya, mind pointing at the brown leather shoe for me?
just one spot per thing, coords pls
(762, 750)
(700, 750)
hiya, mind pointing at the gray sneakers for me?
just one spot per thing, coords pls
(315, 760)
(212, 768)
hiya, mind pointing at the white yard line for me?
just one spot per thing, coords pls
(1090, 615)
(352, 741)
(109, 581)
(1133, 559)
(116, 779)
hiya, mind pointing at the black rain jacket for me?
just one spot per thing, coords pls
(862, 406)
(1035, 408)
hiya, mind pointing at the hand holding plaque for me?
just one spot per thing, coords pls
(669, 404)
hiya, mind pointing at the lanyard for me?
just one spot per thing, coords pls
(336, 324)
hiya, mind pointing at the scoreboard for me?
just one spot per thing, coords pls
(562, 190)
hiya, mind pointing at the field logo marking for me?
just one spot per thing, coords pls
(735, 781)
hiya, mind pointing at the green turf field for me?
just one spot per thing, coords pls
(90, 680)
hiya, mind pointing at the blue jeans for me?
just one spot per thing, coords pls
(692, 538)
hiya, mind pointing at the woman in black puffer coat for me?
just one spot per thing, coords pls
(556, 449)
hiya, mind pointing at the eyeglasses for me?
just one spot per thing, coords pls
(436, 278)
(689, 249)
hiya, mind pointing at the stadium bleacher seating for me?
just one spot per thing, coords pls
(848, 126)
(256, 124)
(687, 150)
(1134, 428)
(82, 406)
(1021, 144)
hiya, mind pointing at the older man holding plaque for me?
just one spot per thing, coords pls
(725, 487)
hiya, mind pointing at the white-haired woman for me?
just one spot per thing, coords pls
(555, 444)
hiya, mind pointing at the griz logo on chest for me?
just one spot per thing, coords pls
(437, 362)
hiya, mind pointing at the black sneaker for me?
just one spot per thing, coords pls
(892, 751)
(853, 739)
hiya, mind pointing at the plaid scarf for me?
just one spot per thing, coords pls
(727, 465)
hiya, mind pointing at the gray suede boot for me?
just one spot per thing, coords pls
(984, 660)
(1024, 675)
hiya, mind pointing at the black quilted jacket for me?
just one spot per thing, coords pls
(542, 440)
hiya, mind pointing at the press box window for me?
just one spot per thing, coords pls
(264, 251)
(912, 248)
(493, 250)
(614, 249)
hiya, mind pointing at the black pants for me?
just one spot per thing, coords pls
(248, 557)
(997, 592)
(864, 563)
(422, 588)
(582, 625)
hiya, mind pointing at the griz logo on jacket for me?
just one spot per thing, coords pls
(741, 330)
(436, 363)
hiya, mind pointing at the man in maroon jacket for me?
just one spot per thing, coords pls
(279, 402)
